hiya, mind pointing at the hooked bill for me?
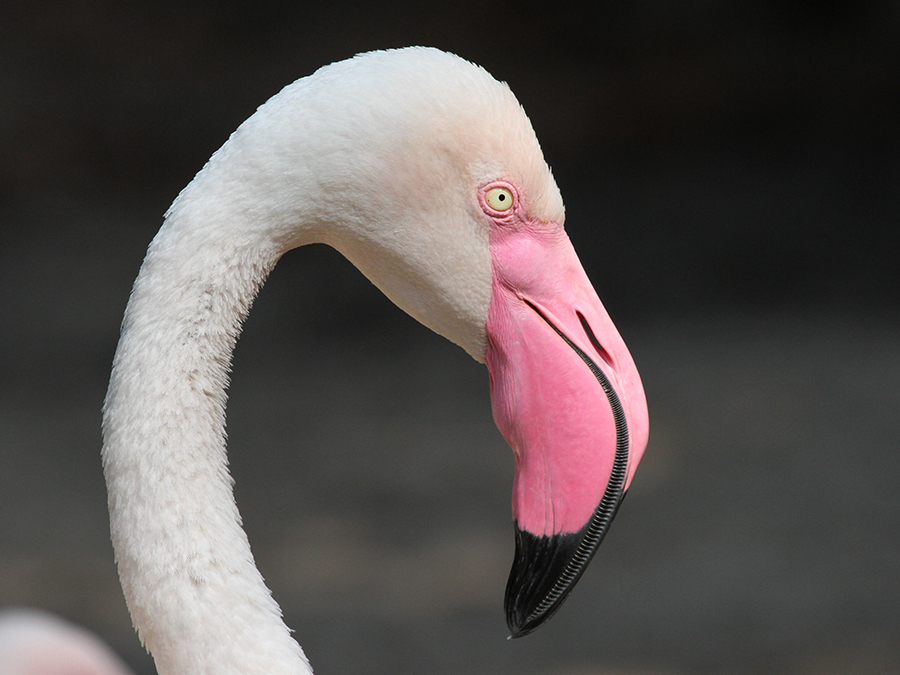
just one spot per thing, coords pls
(567, 397)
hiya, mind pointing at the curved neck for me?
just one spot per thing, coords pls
(195, 595)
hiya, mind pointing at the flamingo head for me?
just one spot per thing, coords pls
(482, 222)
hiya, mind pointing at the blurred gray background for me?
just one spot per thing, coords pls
(732, 178)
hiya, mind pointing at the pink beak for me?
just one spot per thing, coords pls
(567, 397)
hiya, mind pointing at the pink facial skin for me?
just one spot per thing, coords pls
(547, 403)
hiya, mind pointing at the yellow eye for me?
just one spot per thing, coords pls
(499, 199)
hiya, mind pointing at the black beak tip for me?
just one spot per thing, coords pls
(538, 582)
(546, 568)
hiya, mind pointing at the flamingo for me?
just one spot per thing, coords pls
(424, 172)
(37, 643)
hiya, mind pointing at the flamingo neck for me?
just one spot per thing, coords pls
(196, 598)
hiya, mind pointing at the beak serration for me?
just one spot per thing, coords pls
(546, 568)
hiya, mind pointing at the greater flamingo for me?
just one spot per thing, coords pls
(425, 173)
(36, 643)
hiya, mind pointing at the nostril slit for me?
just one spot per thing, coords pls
(605, 355)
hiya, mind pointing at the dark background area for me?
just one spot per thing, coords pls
(732, 179)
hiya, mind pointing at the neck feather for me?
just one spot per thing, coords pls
(195, 595)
